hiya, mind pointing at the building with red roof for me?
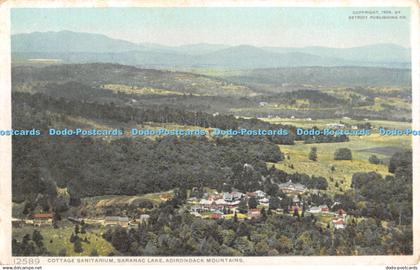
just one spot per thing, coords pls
(43, 219)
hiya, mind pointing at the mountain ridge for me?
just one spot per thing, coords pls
(74, 47)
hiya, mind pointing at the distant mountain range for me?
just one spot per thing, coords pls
(75, 47)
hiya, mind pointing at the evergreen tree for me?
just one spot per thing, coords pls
(313, 154)
(243, 206)
(37, 238)
(78, 246)
(252, 203)
(263, 213)
(235, 217)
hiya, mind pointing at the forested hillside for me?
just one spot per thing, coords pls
(97, 75)
(172, 233)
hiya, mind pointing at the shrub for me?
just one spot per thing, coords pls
(373, 159)
(343, 154)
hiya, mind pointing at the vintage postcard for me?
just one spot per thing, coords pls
(209, 132)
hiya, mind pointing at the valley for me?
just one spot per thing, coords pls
(265, 195)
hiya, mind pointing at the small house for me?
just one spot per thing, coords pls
(144, 218)
(43, 219)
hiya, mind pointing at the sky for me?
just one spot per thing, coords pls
(261, 26)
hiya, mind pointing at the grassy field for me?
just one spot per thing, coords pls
(108, 200)
(96, 206)
(362, 148)
(322, 123)
(58, 239)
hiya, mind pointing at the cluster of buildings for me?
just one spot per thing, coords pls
(212, 205)
(222, 204)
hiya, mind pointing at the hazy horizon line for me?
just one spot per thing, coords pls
(208, 43)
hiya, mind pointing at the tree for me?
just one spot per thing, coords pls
(145, 204)
(252, 203)
(296, 212)
(120, 239)
(73, 238)
(78, 246)
(263, 213)
(243, 206)
(400, 159)
(274, 203)
(83, 229)
(37, 238)
(313, 154)
(94, 253)
(343, 154)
